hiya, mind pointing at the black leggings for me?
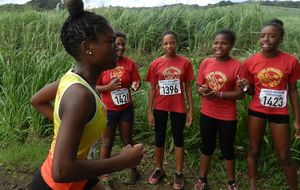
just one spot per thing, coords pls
(209, 128)
(177, 123)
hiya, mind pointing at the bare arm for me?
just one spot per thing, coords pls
(188, 91)
(42, 100)
(293, 93)
(77, 107)
(113, 85)
(151, 98)
(235, 94)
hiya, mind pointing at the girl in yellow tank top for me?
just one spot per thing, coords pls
(78, 114)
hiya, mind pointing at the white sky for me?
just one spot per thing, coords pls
(131, 3)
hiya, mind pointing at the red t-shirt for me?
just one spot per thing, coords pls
(220, 76)
(169, 76)
(127, 72)
(270, 77)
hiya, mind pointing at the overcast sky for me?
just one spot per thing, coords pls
(131, 3)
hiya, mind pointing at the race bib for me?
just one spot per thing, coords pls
(92, 151)
(120, 96)
(169, 87)
(273, 98)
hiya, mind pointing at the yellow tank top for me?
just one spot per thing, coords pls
(92, 130)
(90, 136)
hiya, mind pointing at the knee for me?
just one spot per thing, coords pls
(253, 152)
(285, 160)
(107, 143)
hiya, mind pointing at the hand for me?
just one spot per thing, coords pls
(242, 84)
(132, 155)
(189, 119)
(203, 89)
(135, 85)
(150, 118)
(114, 84)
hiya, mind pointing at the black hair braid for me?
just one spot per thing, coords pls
(228, 33)
(80, 25)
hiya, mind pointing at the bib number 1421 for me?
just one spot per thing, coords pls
(120, 96)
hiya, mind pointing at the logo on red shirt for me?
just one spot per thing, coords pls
(117, 72)
(270, 77)
(216, 80)
(171, 73)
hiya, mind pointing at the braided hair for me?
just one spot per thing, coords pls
(79, 26)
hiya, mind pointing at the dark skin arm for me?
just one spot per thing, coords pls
(206, 92)
(113, 85)
(293, 93)
(76, 109)
(188, 91)
(151, 98)
(42, 100)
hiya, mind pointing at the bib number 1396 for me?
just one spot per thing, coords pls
(273, 98)
(169, 87)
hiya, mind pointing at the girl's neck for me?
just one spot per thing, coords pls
(90, 75)
(222, 59)
(170, 56)
(270, 54)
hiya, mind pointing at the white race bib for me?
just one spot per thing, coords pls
(92, 151)
(169, 87)
(273, 98)
(120, 96)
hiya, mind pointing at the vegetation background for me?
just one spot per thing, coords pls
(31, 56)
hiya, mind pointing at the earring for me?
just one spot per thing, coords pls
(89, 52)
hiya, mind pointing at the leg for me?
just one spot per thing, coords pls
(161, 118)
(227, 131)
(208, 132)
(178, 123)
(256, 128)
(281, 139)
(108, 138)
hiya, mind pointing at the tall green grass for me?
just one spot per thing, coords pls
(31, 56)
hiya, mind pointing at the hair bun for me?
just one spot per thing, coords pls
(75, 7)
(277, 21)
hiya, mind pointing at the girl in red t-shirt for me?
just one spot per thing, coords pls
(114, 86)
(273, 76)
(216, 83)
(170, 76)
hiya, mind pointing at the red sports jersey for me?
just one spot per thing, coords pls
(220, 76)
(127, 72)
(270, 77)
(169, 76)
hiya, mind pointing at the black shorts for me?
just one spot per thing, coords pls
(38, 182)
(211, 129)
(115, 117)
(272, 118)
